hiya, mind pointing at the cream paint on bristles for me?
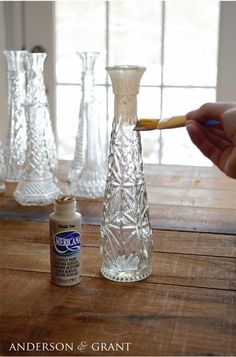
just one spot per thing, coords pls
(148, 123)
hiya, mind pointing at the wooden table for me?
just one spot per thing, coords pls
(186, 307)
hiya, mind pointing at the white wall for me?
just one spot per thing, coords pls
(226, 82)
(39, 30)
(3, 77)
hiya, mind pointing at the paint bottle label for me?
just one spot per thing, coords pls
(65, 243)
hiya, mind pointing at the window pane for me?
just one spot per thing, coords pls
(148, 102)
(191, 37)
(68, 100)
(80, 26)
(178, 149)
(151, 146)
(149, 107)
(134, 31)
(68, 104)
(177, 146)
(179, 101)
(135, 36)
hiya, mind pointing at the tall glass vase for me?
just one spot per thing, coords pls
(126, 243)
(37, 184)
(16, 137)
(88, 172)
(36, 93)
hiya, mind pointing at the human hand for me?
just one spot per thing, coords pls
(217, 143)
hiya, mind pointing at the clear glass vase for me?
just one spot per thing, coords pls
(88, 172)
(37, 185)
(2, 170)
(126, 235)
(36, 93)
(16, 137)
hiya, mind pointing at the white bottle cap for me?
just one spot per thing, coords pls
(65, 205)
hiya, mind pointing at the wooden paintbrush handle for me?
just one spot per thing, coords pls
(172, 122)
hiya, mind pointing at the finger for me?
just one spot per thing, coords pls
(219, 132)
(210, 111)
(230, 164)
(214, 135)
(220, 141)
(209, 149)
(229, 122)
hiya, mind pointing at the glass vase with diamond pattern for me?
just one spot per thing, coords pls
(37, 185)
(16, 135)
(126, 235)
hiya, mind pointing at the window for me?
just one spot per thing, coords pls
(177, 42)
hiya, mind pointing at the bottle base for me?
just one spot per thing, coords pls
(35, 200)
(90, 188)
(12, 179)
(126, 276)
(36, 193)
(65, 283)
(2, 187)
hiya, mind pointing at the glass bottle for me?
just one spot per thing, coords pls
(2, 170)
(16, 137)
(88, 172)
(37, 184)
(36, 93)
(126, 235)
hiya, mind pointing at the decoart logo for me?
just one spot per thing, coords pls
(66, 243)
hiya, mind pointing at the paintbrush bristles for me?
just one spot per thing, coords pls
(171, 123)
(146, 124)
(166, 123)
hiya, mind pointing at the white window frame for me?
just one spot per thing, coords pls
(226, 74)
(22, 28)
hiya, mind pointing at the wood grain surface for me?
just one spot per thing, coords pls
(187, 307)
(200, 199)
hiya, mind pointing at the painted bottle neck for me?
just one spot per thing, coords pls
(125, 109)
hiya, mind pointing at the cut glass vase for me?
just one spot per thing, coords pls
(126, 235)
(37, 185)
(15, 151)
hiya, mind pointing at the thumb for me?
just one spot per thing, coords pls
(229, 124)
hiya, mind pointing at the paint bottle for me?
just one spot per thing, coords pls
(65, 242)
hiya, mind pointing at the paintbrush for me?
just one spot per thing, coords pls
(168, 123)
